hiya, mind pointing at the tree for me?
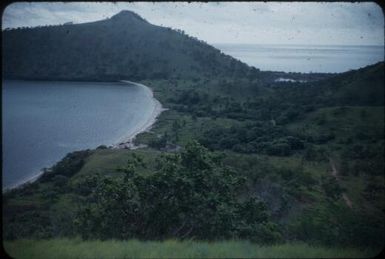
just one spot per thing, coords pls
(191, 194)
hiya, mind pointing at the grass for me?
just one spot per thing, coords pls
(106, 161)
(342, 121)
(76, 248)
(190, 128)
(345, 123)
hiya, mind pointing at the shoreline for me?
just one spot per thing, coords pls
(125, 142)
(23, 182)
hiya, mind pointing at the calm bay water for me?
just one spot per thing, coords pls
(43, 121)
(304, 58)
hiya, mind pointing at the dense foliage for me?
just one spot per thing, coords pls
(124, 46)
(191, 194)
(257, 137)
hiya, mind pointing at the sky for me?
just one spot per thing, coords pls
(317, 23)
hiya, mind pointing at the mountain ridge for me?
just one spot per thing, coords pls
(124, 46)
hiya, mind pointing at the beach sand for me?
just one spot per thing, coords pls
(126, 142)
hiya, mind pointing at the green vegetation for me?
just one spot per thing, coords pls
(261, 179)
(76, 248)
(187, 194)
(93, 52)
(235, 157)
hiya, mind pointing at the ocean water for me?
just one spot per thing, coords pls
(43, 121)
(304, 58)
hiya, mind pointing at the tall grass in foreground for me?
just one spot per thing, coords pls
(76, 248)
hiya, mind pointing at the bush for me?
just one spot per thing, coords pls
(158, 143)
(333, 225)
(331, 187)
(279, 149)
(191, 194)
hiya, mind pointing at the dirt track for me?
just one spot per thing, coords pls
(334, 173)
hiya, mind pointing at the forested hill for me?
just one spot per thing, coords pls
(364, 86)
(123, 46)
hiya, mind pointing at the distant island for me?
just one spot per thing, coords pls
(239, 154)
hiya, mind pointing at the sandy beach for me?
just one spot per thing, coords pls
(24, 181)
(127, 141)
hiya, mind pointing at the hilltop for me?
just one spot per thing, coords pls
(124, 46)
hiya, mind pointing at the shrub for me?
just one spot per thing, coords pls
(191, 194)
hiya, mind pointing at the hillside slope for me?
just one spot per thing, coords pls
(364, 86)
(277, 143)
(123, 46)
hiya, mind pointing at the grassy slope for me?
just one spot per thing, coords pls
(345, 123)
(106, 161)
(75, 248)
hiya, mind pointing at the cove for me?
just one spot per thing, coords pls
(43, 121)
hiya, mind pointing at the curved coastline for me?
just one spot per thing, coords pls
(24, 181)
(125, 142)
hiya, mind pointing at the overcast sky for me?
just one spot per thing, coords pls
(227, 22)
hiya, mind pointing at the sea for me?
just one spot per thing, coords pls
(43, 121)
(304, 58)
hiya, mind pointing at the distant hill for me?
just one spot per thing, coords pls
(364, 86)
(124, 46)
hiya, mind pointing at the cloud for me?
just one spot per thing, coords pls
(232, 22)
